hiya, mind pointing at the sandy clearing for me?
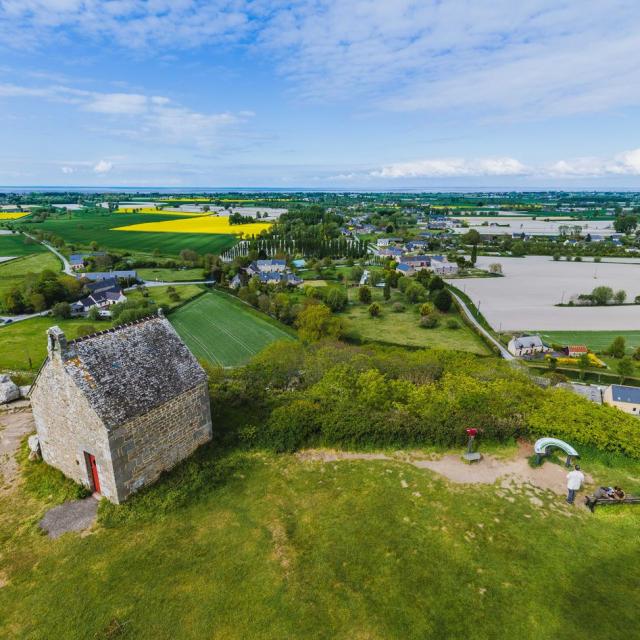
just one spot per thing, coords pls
(13, 427)
(525, 298)
(512, 472)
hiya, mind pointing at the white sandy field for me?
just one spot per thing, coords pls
(525, 298)
(507, 226)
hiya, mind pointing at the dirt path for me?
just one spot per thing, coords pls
(514, 471)
(13, 427)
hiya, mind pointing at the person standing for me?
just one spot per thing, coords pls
(575, 479)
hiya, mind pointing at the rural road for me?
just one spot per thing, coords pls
(465, 310)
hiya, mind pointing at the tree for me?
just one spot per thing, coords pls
(474, 254)
(315, 322)
(620, 296)
(94, 313)
(436, 283)
(518, 249)
(386, 292)
(62, 310)
(495, 267)
(617, 348)
(625, 368)
(364, 294)
(625, 223)
(356, 273)
(443, 300)
(415, 292)
(336, 298)
(471, 237)
(636, 354)
(583, 364)
(374, 310)
(602, 295)
(553, 363)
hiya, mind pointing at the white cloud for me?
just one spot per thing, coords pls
(67, 170)
(453, 167)
(533, 58)
(626, 163)
(141, 117)
(104, 166)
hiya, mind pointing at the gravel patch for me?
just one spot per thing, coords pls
(77, 515)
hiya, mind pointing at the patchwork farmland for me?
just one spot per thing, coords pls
(82, 229)
(224, 331)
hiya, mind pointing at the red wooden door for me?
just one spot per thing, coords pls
(94, 472)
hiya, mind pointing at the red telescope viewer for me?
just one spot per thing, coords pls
(472, 432)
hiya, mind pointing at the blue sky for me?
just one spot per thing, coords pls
(315, 93)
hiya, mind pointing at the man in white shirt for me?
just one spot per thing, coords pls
(575, 479)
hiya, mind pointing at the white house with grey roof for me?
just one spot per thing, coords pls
(527, 346)
(625, 398)
(115, 409)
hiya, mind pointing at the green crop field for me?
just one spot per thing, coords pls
(12, 273)
(225, 331)
(595, 340)
(18, 245)
(81, 230)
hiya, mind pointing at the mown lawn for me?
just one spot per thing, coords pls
(223, 330)
(160, 296)
(18, 245)
(404, 328)
(253, 545)
(80, 230)
(595, 340)
(12, 273)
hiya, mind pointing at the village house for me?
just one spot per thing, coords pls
(625, 398)
(527, 346)
(115, 409)
(442, 267)
(102, 295)
(271, 266)
(417, 263)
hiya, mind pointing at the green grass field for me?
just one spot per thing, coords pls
(254, 545)
(225, 331)
(595, 340)
(18, 245)
(404, 329)
(12, 273)
(171, 275)
(23, 345)
(81, 230)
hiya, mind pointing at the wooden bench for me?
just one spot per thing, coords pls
(592, 503)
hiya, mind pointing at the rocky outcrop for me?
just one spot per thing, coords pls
(8, 390)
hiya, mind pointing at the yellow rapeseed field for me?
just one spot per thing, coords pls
(200, 224)
(13, 215)
(150, 210)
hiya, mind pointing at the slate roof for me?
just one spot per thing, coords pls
(128, 371)
(621, 393)
(528, 342)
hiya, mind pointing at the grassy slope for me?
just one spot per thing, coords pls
(12, 273)
(81, 230)
(14, 245)
(403, 328)
(223, 330)
(259, 546)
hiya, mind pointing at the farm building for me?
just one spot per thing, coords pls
(115, 409)
(575, 350)
(625, 398)
(441, 266)
(527, 346)
(102, 294)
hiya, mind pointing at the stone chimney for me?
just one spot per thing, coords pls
(57, 343)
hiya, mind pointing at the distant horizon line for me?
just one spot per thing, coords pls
(434, 189)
